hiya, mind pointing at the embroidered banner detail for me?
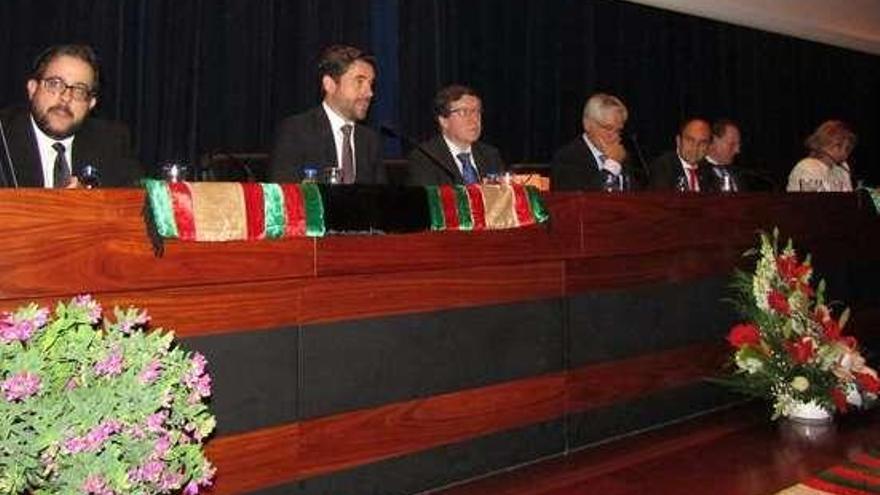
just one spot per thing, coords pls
(228, 211)
(859, 476)
(484, 207)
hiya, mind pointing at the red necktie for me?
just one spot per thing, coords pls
(693, 183)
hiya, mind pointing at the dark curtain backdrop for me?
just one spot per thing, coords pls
(536, 62)
(195, 76)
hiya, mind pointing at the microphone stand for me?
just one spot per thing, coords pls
(8, 160)
(390, 131)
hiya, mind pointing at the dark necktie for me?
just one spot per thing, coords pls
(468, 171)
(347, 159)
(61, 171)
(693, 182)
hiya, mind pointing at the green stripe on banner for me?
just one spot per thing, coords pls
(850, 483)
(875, 196)
(463, 207)
(275, 215)
(314, 210)
(160, 204)
(438, 222)
(539, 210)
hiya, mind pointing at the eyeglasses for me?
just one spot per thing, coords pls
(466, 112)
(57, 86)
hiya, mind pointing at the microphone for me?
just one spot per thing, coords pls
(634, 138)
(412, 143)
(8, 160)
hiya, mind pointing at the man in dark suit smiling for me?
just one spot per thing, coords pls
(52, 139)
(329, 135)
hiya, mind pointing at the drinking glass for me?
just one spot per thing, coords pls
(174, 171)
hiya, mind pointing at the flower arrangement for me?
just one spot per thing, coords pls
(791, 349)
(94, 406)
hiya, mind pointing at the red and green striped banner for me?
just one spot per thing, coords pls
(874, 192)
(230, 211)
(859, 476)
(485, 207)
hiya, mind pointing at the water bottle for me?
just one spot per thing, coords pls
(310, 175)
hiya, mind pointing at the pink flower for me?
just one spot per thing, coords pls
(111, 365)
(132, 319)
(151, 372)
(88, 305)
(22, 325)
(21, 386)
(95, 485)
(155, 421)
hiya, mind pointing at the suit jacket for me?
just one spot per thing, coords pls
(714, 176)
(667, 174)
(101, 143)
(443, 169)
(306, 139)
(574, 168)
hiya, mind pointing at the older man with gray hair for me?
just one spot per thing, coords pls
(596, 160)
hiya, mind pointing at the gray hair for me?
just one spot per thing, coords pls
(600, 104)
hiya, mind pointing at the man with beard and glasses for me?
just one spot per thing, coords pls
(328, 136)
(55, 138)
(455, 155)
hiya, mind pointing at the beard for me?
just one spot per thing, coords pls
(42, 119)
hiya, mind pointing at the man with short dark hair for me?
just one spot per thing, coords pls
(680, 170)
(456, 155)
(330, 136)
(596, 160)
(52, 140)
(720, 156)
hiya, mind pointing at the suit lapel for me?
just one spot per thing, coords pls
(24, 151)
(440, 150)
(326, 140)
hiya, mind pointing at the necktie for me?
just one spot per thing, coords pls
(693, 183)
(61, 171)
(347, 159)
(468, 171)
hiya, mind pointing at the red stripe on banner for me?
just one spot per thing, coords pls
(854, 474)
(255, 210)
(521, 205)
(450, 212)
(295, 210)
(182, 203)
(820, 484)
(866, 460)
(478, 208)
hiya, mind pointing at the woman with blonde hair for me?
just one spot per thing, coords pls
(825, 169)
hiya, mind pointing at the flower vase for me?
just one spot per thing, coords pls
(808, 413)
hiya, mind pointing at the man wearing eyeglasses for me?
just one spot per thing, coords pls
(55, 138)
(596, 160)
(456, 155)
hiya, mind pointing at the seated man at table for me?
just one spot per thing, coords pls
(329, 135)
(456, 155)
(680, 170)
(596, 159)
(720, 156)
(55, 137)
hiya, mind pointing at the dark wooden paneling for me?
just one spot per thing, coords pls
(346, 440)
(617, 381)
(363, 296)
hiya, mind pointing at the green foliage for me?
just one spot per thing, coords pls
(91, 405)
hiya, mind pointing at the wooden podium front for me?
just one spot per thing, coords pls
(401, 363)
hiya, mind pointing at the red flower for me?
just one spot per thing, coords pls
(849, 341)
(744, 334)
(839, 399)
(787, 265)
(832, 329)
(778, 302)
(867, 382)
(801, 350)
